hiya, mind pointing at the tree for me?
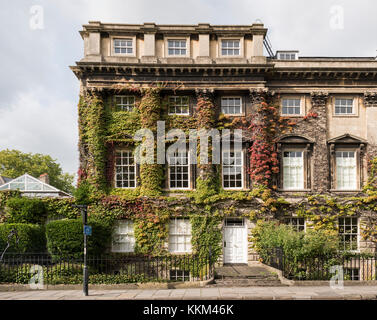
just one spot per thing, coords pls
(14, 163)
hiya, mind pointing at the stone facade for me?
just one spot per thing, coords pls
(203, 71)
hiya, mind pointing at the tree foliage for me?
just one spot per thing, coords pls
(14, 163)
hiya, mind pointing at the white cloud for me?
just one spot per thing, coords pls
(48, 127)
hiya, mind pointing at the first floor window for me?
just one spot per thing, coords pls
(179, 170)
(179, 235)
(293, 170)
(291, 107)
(344, 106)
(231, 105)
(230, 47)
(177, 47)
(348, 233)
(124, 103)
(123, 236)
(123, 46)
(232, 170)
(298, 224)
(179, 105)
(125, 169)
(346, 170)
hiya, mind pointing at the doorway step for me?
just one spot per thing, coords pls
(242, 275)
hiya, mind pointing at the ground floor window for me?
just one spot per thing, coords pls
(179, 235)
(348, 233)
(123, 236)
(298, 224)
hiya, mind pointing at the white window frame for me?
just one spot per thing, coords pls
(187, 236)
(281, 55)
(227, 165)
(356, 185)
(241, 47)
(177, 48)
(175, 113)
(302, 106)
(303, 170)
(129, 235)
(116, 165)
(289, 220)
(124, 104)
(355, 111)
(232, 97)
(112, 47)
(166, 47)
(188, 173)
(351, 233)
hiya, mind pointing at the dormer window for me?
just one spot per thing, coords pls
(177, 47)
(230, 47)
(123, 46)
(287, 55)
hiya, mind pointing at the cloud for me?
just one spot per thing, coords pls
(49, 127)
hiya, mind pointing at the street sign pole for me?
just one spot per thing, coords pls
(84, 213)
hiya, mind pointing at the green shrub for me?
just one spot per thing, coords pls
(296, 245)
(31, 238)
(65, 238)
(26, 210)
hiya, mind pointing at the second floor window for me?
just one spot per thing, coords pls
(125, 169)
(348, 233)
(232, 170)
(123, 46)
(291, 107)
(344, 106)
(346, 170)
(177, 47)
(124, 103)
(179, 105)
(231, 105)
(293, 170)
(179, 171)
(230, 47)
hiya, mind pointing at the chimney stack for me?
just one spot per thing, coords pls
(44, 178)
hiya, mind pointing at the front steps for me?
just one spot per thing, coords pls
(245, 276)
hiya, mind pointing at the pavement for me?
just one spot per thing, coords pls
(232, 293)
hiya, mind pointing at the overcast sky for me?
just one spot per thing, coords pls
(39, 93)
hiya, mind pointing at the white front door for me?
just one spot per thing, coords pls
(235, 244)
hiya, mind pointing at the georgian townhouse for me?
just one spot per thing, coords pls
(316, 118)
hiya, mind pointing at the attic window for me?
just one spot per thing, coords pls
(287, 55)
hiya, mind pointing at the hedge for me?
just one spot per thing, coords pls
(65, 238)
(31, 237)
(26, 210)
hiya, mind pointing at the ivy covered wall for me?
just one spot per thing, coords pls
(103, 130)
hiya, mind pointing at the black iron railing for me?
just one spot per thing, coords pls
(353, 266)
(111, 269)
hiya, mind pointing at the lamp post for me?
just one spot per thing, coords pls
(84, 213)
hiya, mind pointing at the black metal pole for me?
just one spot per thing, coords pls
(85, 275)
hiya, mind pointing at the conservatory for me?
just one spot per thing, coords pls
(33, 187)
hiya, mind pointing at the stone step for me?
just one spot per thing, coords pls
(247, 283)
